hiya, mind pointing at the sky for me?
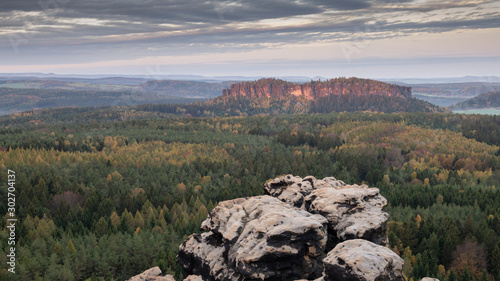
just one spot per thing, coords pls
(363, 38)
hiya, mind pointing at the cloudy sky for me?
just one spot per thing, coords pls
(330, 38)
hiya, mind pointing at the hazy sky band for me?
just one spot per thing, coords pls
(220, 37)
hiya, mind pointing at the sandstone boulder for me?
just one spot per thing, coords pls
(352, 211)
(287, 235)
(256, 238)
(205, 254)
(152, 274)
(193, 278)
(293, 190)
(361, 260)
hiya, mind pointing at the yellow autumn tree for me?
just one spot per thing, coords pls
(181, 187)
(138, 220)
(114, 176)
(386, 180)
(115, 219)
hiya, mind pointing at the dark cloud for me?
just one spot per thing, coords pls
(128, 28)
(15, 5)
(149, 14)
(341, 5)
(441, 26)
(169, 11)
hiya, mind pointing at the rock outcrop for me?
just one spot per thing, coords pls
(361, 260)
(275, 88)
(352, 211)
(303, 229)
(246, 233)
(152, 274)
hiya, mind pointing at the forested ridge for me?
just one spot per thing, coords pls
(103, 194)
(17, 100)
(487, 100)
(264, 96)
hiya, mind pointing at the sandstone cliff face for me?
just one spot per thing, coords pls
(304, 229)
(274, 88)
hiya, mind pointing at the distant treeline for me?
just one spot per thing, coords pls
(29, 99)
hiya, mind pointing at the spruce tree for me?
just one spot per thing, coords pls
(495, 260)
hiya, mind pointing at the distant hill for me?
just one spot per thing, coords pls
(180, 88)
(443, 80)
(14, 100)
(446, 94)
(264, 96)
(17, 95)
(340, 94)
(487, 100)
(276, 88)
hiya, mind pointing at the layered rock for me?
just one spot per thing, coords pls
(275, 88)
(256, 238)
(361, 260)
(152, 274)
(293, 190)
(205, 254)
(352, 211)
(287, 235)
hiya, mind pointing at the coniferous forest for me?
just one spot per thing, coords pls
(106, 193)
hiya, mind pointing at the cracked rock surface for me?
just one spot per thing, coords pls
(256, 238)
(362, 260)
(295, 233)
(352, 211)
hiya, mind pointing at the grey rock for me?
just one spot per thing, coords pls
(205, 254)
(152, 274)
(193, 278)
(352, 211)
(256, 238)
(293, 190)
(429, 279)
(285, 236)
(361, 260)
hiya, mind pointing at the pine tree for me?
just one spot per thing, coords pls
(495, 260)
(453, 276)
(101, 227)
(58, 250)
(466, 276)
(138, 220)
(485, 277)
(71, 247)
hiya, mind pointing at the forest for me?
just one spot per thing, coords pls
(25, 99)
(106, 193)
(486, 100)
